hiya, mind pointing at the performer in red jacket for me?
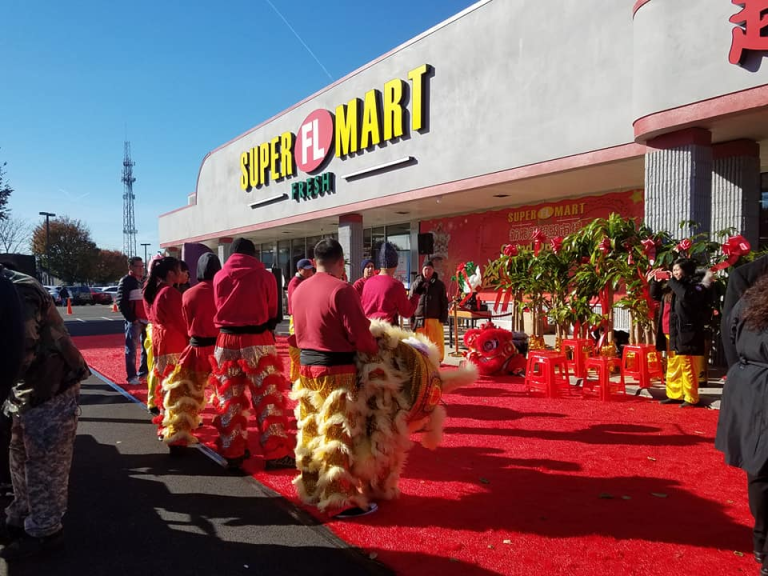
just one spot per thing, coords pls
(184, 389)
(169, 334)
(246, 357)
(384, 297)
(330, 328)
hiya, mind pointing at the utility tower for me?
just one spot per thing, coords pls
(129, 218)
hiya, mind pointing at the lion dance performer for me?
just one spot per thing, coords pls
(152, 384)
(358, 396)
(245, 357)
(169, 334)
(184, 389)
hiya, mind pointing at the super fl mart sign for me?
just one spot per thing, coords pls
(360, 124)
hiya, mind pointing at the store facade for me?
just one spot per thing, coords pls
(507, 117)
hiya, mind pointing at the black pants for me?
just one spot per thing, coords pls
(757, 488)
(5, 442)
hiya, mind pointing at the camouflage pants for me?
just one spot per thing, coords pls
(42, 442)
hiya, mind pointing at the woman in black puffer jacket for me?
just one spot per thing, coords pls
(681, 327)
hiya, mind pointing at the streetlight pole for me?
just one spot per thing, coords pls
(48, 216)
(145, 253)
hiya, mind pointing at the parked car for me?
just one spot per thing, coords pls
(80, 295)
(56, 294)
(100, 297)
(111, 290)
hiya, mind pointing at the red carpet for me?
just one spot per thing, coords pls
(530, 486)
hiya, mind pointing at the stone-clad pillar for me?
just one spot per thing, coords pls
(351, 239)
(224, 249)
(736, 188)
(678, 181)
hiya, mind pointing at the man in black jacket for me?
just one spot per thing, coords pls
(130, 301)
(432, 311)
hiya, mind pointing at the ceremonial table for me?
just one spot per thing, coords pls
(471, 316)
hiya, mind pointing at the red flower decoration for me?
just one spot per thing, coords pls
(510, 250)
(684, 245)
(604, 246)
(733, 249)
(556, 243)
(538, 239)
(649, 249)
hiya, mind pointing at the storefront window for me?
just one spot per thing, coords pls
(268, 255)
(763, 211)
(400, 236)
(311, 242)
(298, 251)
(367, 244)
(284, 259)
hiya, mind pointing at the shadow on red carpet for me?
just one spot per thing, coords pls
(528, 486)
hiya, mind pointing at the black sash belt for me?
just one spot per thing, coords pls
(320, 358)
(744, 362)
(260, 329)
(201, 342)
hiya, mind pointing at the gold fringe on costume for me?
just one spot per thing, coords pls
(354, 429)
(151, 378)
(183, 399)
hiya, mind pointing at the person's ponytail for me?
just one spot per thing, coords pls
(159, 272)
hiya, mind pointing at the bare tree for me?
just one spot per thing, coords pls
(15, 235)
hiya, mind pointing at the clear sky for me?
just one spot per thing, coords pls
(178, 77)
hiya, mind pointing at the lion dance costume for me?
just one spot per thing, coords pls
(184, 389)
(169, 339)
(355, 412)
(495, 351)
(245, 358)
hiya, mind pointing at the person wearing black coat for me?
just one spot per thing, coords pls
(432, 310)
(742, 428)
(11, 356)
(739, 280)
(681, 327)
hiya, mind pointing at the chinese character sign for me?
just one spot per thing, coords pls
(751, 22)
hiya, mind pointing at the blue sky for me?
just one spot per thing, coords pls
(184, 77)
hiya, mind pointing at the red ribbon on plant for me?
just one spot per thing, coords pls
(605, 245)
(557, 244)
(684, 245)
(734, 248)
(649, 249)
(510, 250)
(461, 272)
(538, 239)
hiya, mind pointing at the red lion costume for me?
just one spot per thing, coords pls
(493, 351)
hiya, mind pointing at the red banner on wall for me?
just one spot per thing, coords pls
(479, 237)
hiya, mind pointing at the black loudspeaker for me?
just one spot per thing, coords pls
(426, 243)
(278, 274)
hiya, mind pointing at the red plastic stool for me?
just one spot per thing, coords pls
(547, 371)
(602, 366)
(642, 362)
(577, 351)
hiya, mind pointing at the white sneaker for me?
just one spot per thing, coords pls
(133, 381)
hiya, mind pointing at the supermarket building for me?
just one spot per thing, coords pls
(507, 117)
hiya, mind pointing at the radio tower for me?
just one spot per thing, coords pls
(129, 219)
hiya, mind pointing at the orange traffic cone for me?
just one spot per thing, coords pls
(69, 306)
(114, 306)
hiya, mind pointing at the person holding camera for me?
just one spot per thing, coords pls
(432, 310)
(681, 329)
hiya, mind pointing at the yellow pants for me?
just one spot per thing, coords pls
(433, 330)
(151, 378)
(683, 377)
